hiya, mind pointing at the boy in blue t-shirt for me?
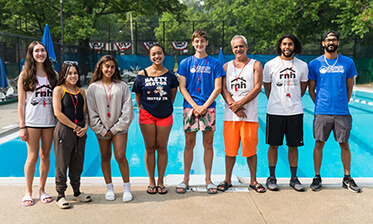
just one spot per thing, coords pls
(332, 76)
(200, 84)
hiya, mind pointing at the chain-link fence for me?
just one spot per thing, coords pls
(13, 47)
(13, 50)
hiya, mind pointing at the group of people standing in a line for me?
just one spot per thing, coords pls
(107, 107)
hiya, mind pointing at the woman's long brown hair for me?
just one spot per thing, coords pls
(29, 71)
(97, 75)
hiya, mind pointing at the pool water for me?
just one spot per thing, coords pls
(14, 152)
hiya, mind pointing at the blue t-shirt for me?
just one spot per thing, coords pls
(331, 84)
(211, 71)
(156, 93)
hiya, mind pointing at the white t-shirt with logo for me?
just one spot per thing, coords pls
(239, 85)
(285, 77)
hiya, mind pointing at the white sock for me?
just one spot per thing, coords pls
(110, 187)
(127, 196)
(110, 192)
(127, 187)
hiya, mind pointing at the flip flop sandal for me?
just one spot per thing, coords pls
(161, 190)
(43, 198)
(62, 203)
(153, 190)
(26, 199)
(211, 187)
(182, 186)
(258, 186)
(82, 197)
(223, 186)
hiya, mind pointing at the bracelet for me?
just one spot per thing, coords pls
(22, 127)
(76, 126)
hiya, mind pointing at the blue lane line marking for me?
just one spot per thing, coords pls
(361, 101)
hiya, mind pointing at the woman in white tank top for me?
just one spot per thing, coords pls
(36, 119)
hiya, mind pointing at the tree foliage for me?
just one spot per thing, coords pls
(80, 17)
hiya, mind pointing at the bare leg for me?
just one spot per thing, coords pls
(208, 139)
(190, 142)
(229, 164)
(120, 147)
(272, 155)
(346, 157)
(149, 132)
(317, 156)
(252, 163)
(105, 150)
(162, 140)
(45, 150)
(293, 156)
(34, 135)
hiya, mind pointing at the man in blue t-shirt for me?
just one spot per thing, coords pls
(200, 84)
(331, 78)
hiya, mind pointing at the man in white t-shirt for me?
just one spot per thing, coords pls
(285, 82)
(240, 89)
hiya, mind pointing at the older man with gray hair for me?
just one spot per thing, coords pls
(240, 89)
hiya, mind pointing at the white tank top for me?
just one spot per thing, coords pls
(39, 109)
(239, 88)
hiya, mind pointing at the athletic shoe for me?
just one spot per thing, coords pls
(350, 184)
(316, 184)
(295, 183)
(272, 184)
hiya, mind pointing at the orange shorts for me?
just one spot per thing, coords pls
(235, 132)
(146, 118)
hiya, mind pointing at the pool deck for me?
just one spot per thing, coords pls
(333, 204)
(330, 205)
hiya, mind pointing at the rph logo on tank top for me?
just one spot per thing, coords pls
(42, 94)
(331, 69)
(239, 83)
(287, 75)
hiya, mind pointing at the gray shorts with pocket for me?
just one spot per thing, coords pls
(324, 124)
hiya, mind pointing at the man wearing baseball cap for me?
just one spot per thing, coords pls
(331, 78)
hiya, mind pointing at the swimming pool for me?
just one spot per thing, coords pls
(361, 142)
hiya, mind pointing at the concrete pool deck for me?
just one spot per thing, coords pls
(330, 205)
(333, 204)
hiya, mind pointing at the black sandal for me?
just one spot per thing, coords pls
(258, 187)
(223, 186)
(160, 190)
(152, 190)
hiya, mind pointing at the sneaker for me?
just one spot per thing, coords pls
(350, 184)
(295, 183)
(316, 184)
(272, 184)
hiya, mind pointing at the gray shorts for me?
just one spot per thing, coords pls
(324, 124)
(109, 137)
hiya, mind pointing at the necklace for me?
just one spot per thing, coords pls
(199, 77)
(43, 93)
(75, 103)
(107, 100)
(288, 76)
(236, 77)
(334, 62)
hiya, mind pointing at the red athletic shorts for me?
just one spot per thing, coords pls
(146, 118)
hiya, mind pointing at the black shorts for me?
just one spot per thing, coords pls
(290, 126)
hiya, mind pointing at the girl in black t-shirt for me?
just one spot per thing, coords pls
(155, 89)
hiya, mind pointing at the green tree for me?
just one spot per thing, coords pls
(81, 17)
(355, 17)
(196, 17)
(263, 21)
